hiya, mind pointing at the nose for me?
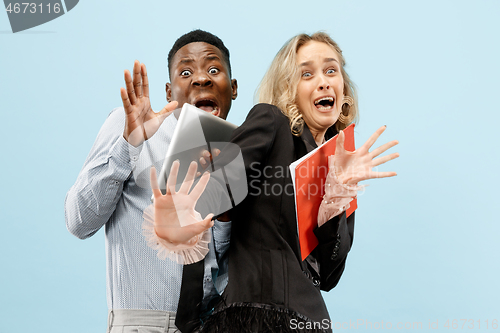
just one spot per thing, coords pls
(323, 84)
(201, 80)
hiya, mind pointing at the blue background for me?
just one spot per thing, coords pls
(426, 242)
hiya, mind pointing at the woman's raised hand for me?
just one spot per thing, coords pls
(356, 166)
(175, 218)
(346, 169)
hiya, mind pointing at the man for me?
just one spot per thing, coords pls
(141, 289)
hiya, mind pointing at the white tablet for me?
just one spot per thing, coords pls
(196, 131)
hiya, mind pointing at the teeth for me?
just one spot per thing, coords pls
(329, 98)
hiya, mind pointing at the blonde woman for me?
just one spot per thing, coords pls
(306, 98)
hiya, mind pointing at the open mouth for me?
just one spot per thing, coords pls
(208, 105)
(325, 103)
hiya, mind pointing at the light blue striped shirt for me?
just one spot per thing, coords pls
(113, 189)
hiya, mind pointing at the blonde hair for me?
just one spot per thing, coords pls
(279, 85)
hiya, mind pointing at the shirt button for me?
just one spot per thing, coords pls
(316, 282)
(338, 236)
(334, 256)
(134, 158)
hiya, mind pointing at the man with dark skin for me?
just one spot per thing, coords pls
(199, 77)
(143, 290)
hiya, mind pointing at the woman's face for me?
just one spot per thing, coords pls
(321, 85)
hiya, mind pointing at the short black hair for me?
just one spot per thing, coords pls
(199, 36)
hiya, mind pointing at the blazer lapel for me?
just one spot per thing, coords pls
(308, 139)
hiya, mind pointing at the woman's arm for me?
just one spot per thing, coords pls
(346, 169)
(335, 239)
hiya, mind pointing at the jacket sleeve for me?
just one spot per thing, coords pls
(91, 201)
(222, 236)
(335, 240)
(253, 139)
(255, 136)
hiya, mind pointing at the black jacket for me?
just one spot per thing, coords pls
(265, 266)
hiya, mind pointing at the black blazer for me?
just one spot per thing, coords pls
(265, 265)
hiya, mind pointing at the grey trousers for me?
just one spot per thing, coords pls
(141, 321)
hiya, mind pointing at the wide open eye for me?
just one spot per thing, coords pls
(213, 70)
(185, 72)
(306, 74)
(331, 71)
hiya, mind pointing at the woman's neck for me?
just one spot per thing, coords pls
(319, 137)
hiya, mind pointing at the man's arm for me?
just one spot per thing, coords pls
(91, 201)
(222, 237)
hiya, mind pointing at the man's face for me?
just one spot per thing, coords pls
(200, 77)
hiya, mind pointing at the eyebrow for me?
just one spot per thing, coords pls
(307, 63)
(190, 60)
(212, 57)
(186, 61)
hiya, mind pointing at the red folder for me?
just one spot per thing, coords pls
(310, 177)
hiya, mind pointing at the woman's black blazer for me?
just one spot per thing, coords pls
(265, 265)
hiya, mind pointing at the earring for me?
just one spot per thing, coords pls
(343, 118)
(297, 124)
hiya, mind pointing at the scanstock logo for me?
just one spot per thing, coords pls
(26, 15)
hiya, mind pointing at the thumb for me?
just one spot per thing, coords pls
(339, 145)
(166, 111)
(199, 227)
(169, 108)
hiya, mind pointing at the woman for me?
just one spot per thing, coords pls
(306, 98)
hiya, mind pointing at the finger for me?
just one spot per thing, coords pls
(382, 160)
(199, 227)
(189, 179)
(331, 166)
(130, 87)
(137, 79)
(172, 177)
(339, 145)
(166, 111)
(169, 108)
(200, 187)
(331, 161)
(215, 152)
(205, 158)
(206, 154)
(145, 81)
(385, 174)
(367, 145)
(209, 217)
(372, 175)
(154, 183)
(125, 100)
(383, 148)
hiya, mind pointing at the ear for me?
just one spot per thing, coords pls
(234, 88)
(168, 90)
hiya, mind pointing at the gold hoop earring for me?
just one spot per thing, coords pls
(297, 124)
(346, 119)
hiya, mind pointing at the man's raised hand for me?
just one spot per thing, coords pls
(141, 122)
